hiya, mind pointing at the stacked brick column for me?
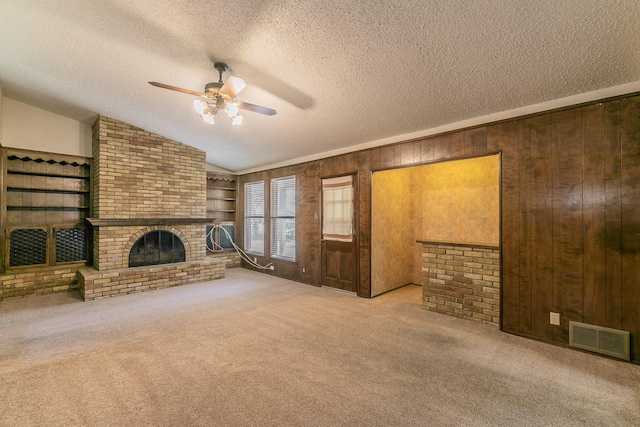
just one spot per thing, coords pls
(140, 175)
(137, 174)
(462, 281)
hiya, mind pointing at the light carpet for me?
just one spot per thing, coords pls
(256, 350)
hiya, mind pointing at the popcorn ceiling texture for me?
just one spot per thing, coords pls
(338, 73)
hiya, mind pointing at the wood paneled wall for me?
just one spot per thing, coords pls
(570, 212)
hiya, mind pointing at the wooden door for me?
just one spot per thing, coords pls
(339, 266)
(339, 244)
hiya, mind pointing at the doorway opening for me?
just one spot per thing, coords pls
(455, 201)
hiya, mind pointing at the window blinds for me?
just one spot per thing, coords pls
(283, 218)
(254, 217)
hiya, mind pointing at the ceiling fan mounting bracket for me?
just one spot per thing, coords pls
(221, 67)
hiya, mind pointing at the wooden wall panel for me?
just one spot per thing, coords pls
(613, 212)
(458, 144)
(442, 147)
(567, 220)
(479, 141)
(426, 150)
(541, 241)
(524, 222)
(630, 189)
(363, 233)
(594, 216)
(508, 134)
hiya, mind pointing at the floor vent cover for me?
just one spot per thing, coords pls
(611, 342)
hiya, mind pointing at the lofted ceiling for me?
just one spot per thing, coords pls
(341, 74)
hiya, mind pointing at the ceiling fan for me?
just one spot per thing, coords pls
(220, 96)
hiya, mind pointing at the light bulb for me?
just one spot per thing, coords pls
(200, 106)
(208, 118)
(231, 110)
(236, 120)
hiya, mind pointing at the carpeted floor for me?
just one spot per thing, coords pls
(255, 350)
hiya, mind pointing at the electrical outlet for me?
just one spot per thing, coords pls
(554, 318)
(255, 260)
(304, 270)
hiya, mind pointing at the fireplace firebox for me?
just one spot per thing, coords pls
(157, 247)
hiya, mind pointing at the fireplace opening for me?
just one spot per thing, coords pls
(156, 247)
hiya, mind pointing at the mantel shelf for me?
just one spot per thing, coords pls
(119, 222)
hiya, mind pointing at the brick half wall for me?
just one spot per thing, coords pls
(462, 280)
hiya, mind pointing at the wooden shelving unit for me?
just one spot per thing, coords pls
(47, 192)
(221, 197)
(45, 189)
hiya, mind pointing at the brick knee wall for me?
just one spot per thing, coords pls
(231, 259)
(462, 281)
(94, 284)
(37, 282)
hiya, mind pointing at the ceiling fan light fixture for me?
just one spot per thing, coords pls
(236, 120)
(231, 110)
(208, 117)
(200, 106)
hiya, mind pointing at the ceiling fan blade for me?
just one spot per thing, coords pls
(177, 89)
(256, 108)
(233, 86)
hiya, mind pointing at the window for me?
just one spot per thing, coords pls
(337, 209)
(283, 218)
(254, 217)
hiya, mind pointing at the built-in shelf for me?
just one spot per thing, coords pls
(45, 190)
(48, 208)
(221, 200)
(221, 188)
(46, 174)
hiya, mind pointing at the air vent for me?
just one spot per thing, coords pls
(611, 342)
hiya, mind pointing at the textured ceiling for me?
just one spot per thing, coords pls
(338, 73)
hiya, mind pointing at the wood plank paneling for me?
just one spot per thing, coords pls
(508, 134)
(567, 220)
(594, 216)
(363, 231)
(426, 150)
(613, 212)
(524, 219)
(442, 147)
(630, 225)
(541, 238)
(468, 142)
(458, 144)
(480, 141)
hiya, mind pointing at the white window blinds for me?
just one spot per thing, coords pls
(283, 218)
(254, 217)
(337, 208)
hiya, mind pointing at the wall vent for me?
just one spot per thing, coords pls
(611, 342)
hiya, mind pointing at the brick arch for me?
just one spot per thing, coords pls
(134, 238)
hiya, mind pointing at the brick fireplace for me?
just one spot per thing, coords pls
(143, 183)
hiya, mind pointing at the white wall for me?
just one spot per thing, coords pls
(31, 128)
